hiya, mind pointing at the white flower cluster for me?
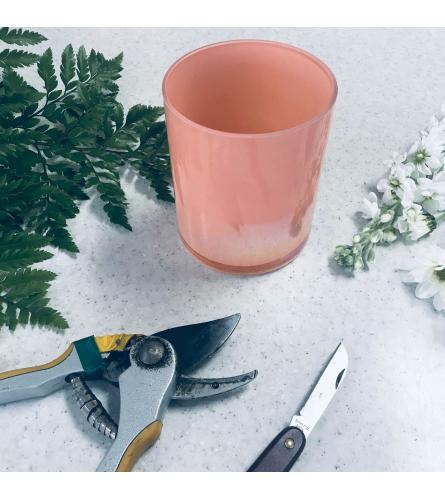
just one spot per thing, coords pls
(409, 201)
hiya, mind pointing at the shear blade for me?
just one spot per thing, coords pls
(195, 343)
(197, 388)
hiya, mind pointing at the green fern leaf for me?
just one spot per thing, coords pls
(20, 250)
(154, 165)
(23, 300)
(144, 114)
(158, 181)
(83, 69)
(68, 67)
(17, 58)
(45, 68)
(17, 93)
(61, 238)
(117, 214)
(108, 186)
(20, 36)
(117, 115)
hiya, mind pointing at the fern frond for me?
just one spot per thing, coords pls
(13, 58)
(20, 250)
(58, 148)
(23, 299)
(20, 36)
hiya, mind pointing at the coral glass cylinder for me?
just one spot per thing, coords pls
(247, 125)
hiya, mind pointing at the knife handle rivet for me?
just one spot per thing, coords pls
(289, 443)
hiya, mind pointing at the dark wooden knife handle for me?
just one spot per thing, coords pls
(281, 453)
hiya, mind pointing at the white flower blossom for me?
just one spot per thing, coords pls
(429, 274)
(370, 208)
(398, 166)
(399, 183)
(430, 193)
(414, 222)
(427, 152)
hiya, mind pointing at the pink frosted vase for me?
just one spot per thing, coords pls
(247, 124)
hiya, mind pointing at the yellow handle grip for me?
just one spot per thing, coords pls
(114, 341)
(107, 343)
(45, 366)
(140, 443)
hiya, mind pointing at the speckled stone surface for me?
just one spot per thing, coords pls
(389, 413)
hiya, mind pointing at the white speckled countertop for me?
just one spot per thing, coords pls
(389, 412)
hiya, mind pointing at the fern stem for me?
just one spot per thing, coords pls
(65, 94)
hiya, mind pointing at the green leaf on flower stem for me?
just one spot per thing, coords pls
(17, 58)
(20, 36)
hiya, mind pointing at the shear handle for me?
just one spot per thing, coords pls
(146, 388)
(41, 380)
(82, 356)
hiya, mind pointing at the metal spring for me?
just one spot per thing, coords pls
(95, 413)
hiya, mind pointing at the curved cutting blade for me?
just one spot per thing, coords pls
(195, 343)
(198, 388)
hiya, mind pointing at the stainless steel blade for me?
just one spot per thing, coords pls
(198, 388)
(195, 343)
(323, 392)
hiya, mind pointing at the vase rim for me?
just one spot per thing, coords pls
(168, 104)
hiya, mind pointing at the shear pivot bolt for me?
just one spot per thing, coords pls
(151, 352)
(289, 443)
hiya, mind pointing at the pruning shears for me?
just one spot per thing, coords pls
(150, 372)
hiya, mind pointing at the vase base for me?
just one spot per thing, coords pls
(269, 267)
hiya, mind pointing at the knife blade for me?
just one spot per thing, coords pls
(283, 451)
